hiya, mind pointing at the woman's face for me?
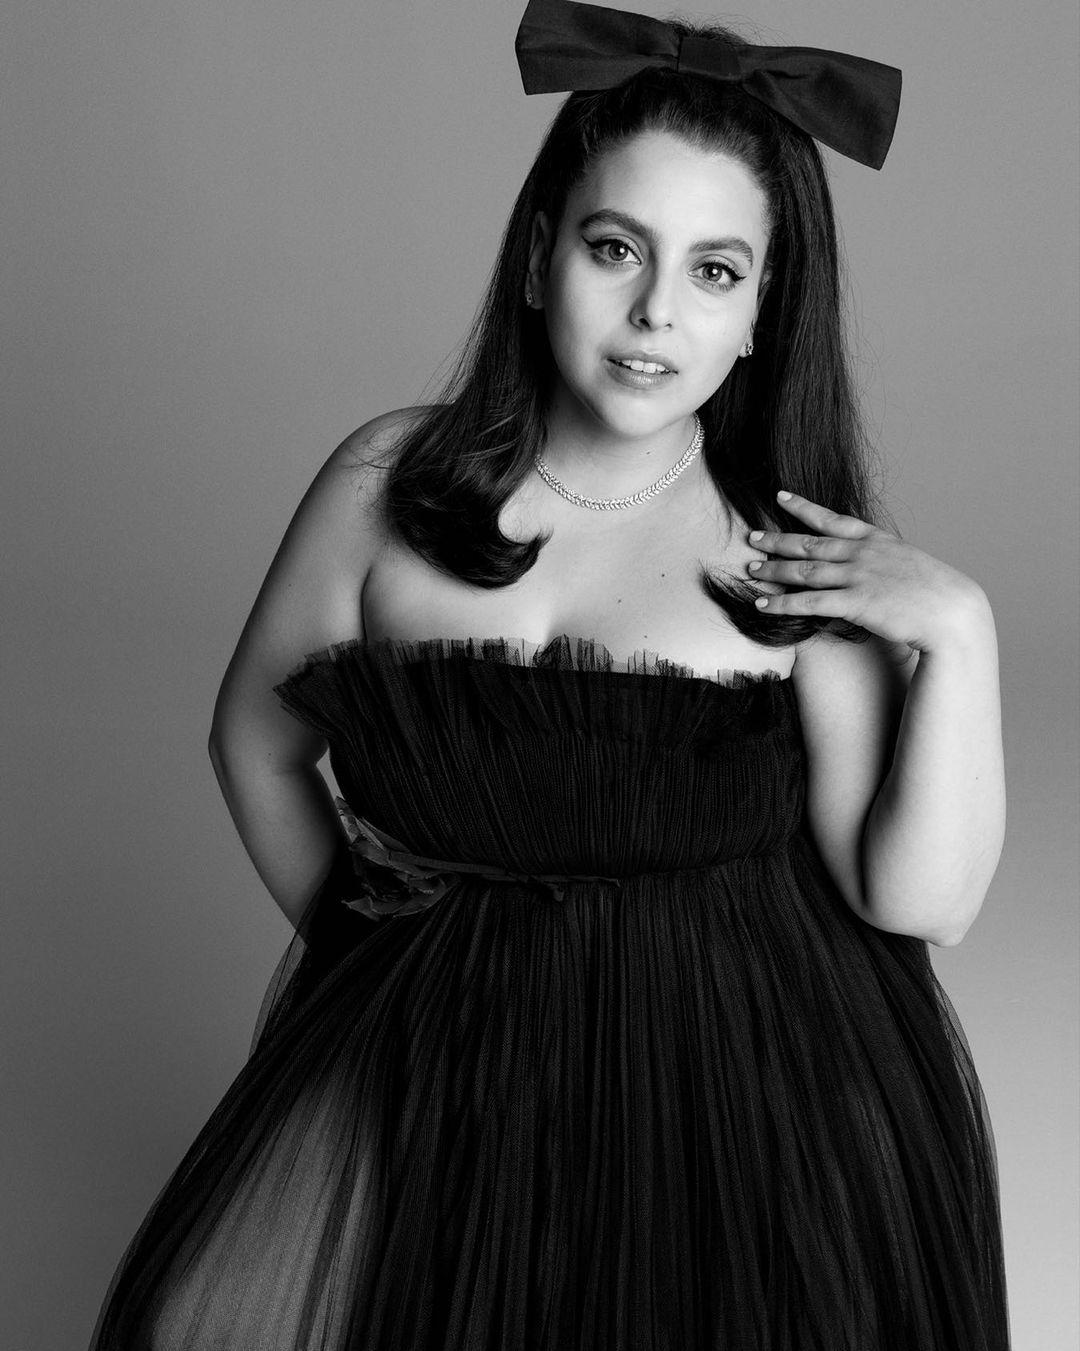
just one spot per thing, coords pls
(658, 257)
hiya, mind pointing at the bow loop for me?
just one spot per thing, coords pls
(847, 102)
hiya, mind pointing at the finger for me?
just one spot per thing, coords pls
(802, 546)
(822, 518)
(801, 572)
(829, 604)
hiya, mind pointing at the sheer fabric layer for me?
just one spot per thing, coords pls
(706, 1108)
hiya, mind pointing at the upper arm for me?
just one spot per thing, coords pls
(850, 698)
(309, 598)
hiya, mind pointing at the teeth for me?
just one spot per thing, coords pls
(648, 367)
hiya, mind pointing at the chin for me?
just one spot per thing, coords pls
(643, 418)
(630, 413)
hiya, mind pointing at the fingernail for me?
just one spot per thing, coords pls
(782, 495)
(755, 534)
(761, 602)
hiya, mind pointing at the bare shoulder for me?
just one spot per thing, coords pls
(373, 447)
(337, 521)
(310, 596)
(358, 468)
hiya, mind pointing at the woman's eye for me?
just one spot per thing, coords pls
(715, 273)
(610, 251)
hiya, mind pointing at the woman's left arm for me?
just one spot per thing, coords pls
(935, 830)
(930, 836)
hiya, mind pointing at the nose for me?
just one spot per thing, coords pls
(654, 304)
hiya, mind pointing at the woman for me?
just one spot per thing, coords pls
(609, 1020)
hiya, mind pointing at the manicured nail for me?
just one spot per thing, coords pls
(761, 602)
(753, 567)
(755, 534)
(782, 495)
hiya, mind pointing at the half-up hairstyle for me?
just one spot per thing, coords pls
(786, 418)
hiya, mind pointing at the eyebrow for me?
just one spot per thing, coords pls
(725, 244)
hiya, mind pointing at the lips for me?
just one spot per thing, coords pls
(646, 367)
(649, 363)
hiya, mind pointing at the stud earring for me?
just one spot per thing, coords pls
(528, 296)
(747, 348)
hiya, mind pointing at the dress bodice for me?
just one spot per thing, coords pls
(468, 749)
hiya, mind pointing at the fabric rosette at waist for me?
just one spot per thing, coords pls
(392, 880)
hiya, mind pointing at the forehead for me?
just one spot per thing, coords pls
(677, 188)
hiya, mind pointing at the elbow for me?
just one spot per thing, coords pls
(224, 735)
(951, 931)
(215, 747)
(938, 910)
(947, 938)
(968, 900)
(944, 925)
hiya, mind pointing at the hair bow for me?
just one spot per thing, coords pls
(847, 102)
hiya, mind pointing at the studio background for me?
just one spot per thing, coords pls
(234, 232)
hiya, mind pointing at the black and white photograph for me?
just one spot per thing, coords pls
(541, 613)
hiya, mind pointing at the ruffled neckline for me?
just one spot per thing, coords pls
(564, 652)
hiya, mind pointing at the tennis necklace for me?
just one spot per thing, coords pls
(614, 503)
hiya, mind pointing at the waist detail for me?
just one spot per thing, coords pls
(392, 880)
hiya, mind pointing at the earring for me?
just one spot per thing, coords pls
(747, 348)
(528, 296)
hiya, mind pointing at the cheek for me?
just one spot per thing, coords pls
(718, 351)
(575, 321)
(722, 339)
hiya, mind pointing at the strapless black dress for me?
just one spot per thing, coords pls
(577, 1048)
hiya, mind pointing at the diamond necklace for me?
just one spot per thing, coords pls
(613, 503)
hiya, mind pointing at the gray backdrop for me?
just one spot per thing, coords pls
(232, 233)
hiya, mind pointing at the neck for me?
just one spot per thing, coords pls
(597, 462)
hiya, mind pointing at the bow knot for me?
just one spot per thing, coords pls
(699, 56)
(849, 103)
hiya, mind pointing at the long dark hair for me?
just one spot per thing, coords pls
(785, 418)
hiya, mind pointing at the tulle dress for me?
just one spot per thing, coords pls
(615, 1069)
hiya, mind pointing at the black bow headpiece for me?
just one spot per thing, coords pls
(846, 102)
